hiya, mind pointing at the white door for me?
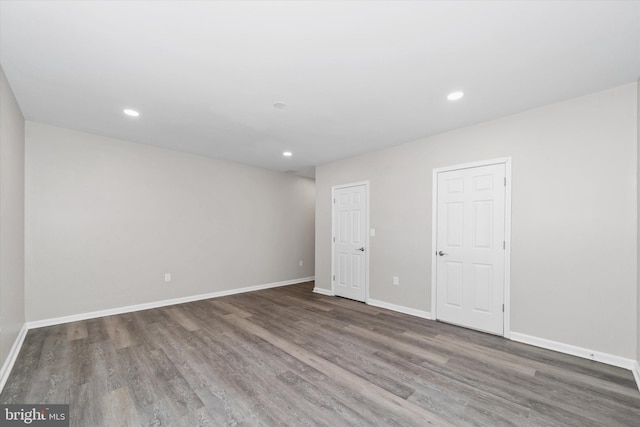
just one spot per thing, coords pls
(350, 222)
(470, 247)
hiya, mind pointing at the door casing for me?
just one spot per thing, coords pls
(507, 235)
(367, 235)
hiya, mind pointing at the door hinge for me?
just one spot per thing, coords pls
(504, 244)
(334, 240)
(334, 200)
(505, 181)
(334, 279)
(503, 308)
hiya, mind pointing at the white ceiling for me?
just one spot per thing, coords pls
(355, 76)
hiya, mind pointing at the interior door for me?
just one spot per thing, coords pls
(350, 216)
(470, 255)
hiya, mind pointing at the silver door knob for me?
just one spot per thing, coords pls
(442, 253)
(360, 249)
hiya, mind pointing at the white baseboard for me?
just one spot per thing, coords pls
(401, 309)
(636, 373)
(606, 358)
(322, 291)
(156, 304)
(585, 353)
(12, 356)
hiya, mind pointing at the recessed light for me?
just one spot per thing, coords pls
(287, 153)
(279, 105)
(453, 96)
(130, 112)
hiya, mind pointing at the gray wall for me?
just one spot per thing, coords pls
(573, 269)
(638, 211)
(12, 316)
(107, 218)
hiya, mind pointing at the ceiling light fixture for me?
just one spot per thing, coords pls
(287, 153)
(279, 105)
(454, 96)
(130, 112)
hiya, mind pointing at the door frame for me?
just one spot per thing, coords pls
(367, 235)
(507, 235)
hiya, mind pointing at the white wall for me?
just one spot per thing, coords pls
(573, 271)
(107, 218)
(638, 216)
(12, 316)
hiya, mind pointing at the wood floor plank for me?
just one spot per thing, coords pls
(82, 368)
(329, 405)
(96, 331)
(287, 356)
(77, 330)
(228, 308)
(396, 345)
(119, 408)
(492, 356)
(118, 333)
(93, 414)
(20, 380)
(378, 395)
(439, 388)
(183, 318)
(51, 379)
(523, 364)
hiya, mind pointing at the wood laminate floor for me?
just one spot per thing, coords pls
(287, 356)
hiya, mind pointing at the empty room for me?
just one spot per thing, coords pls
(300, 213)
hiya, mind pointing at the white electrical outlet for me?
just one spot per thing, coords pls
(167, 277)
(300, 263)
(396, 280)
(372, 232)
